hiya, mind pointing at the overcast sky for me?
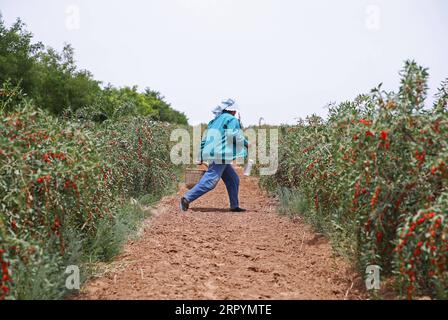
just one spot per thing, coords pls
(280, 59)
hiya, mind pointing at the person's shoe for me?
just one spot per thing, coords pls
(184, 204)
(238, 209)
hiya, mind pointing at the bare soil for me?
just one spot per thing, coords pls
(210, 253)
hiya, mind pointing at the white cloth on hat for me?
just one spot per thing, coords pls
(228, 104)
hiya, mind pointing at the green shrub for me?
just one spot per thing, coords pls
(51, 183)
(369, 170)
(138, 153)
(65, 189)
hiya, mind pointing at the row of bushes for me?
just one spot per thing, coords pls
(374, 177)
(65, 187)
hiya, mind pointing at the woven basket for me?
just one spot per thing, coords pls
(192, 176)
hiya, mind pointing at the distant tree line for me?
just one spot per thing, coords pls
(55, 83)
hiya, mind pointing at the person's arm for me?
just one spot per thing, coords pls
(234, 130)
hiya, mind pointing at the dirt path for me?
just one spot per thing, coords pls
(209, 253)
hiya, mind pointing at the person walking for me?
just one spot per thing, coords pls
(224, 142)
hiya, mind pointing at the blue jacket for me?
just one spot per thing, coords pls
(224, 140)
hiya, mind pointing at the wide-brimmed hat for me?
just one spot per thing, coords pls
(228, 105)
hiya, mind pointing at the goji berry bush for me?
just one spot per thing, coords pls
(138, 153)
(65, 186)
(373, 176)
